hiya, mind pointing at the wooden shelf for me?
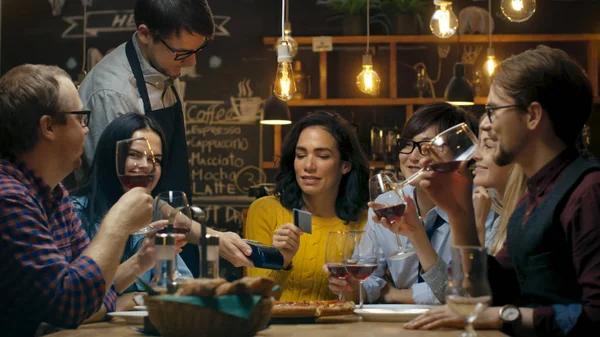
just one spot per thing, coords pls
(591, 41)
(370, 101)
(498, 38)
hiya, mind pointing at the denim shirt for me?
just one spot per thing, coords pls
(404, 272)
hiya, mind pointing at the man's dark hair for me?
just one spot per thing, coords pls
(554, 80)
(353, 193)
(165, 17)
(27, 92)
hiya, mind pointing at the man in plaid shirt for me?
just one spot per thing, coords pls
(50, 272)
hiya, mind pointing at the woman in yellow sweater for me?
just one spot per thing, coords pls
(324, 171)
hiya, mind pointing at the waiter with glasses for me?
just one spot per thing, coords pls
(141, 76)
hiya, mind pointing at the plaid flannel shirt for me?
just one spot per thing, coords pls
(43, 277)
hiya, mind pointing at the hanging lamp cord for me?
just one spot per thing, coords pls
(368, 24)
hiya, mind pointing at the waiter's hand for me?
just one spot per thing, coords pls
(233, 249)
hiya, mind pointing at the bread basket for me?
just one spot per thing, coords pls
(176, 319)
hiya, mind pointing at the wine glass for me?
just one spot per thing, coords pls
(389, 202)
(136, 166)
(468, 292)
(174, 207)
(361, 256)
(447, 150)
(334, 256)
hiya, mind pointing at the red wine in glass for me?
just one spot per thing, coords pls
(131, 181)
(445, 167)
(338, 270)
(391, 213)
(361, 271)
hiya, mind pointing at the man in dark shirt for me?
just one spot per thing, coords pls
(550, 265)
(51, 272)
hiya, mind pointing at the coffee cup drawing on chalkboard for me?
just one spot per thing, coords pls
(246, 106)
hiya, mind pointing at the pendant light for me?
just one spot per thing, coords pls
(443, 22)
(285, 86)
(518, 10)
(459, 90)
(368, 80)
(490, 62)
(276, 112)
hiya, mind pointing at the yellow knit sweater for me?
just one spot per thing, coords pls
(306, 280)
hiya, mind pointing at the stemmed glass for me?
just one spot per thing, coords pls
(136, 166)
(174, 207)
(388, 201)
(447, 150)
(468, 292)
(361, 256)
(334, 256)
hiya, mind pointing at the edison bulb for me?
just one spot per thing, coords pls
(518, 10)
(285, 86)
(368, 80)
(490, 63)
(444, 22)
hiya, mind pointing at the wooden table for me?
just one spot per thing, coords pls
(355, 329)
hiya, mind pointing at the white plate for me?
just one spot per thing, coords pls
(141, 307)
(131, 317)
(391, 312)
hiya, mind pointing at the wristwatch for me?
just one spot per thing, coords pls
(138, 298)
(509, 313)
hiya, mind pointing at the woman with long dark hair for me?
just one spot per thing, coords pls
(324, 171)
(102, 190)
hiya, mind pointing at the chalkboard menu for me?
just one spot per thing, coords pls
(225, 157)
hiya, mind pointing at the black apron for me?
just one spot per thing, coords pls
(177, 173)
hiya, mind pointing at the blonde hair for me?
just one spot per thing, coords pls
(505, 205)
(516, 186)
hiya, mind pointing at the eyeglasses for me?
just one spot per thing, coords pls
(490, 109)
(407, 146)
(83, 116)
(182, 55)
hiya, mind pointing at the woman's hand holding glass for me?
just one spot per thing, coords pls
(388, 203)
(287, 239)
(339, 281)
(409, 223)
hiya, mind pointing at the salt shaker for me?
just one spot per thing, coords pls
(164, 269)
(209, 267)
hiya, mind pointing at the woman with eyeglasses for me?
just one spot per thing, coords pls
(324, 171)
(419, 277)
